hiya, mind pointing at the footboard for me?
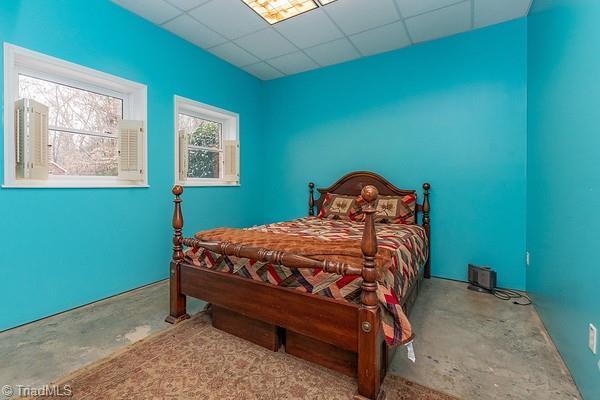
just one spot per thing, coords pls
(348, 326)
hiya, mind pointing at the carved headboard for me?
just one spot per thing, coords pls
(351, 185)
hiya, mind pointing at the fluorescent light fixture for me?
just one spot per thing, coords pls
(325, 2)
(274, 11)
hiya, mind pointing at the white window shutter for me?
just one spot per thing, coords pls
(31, 134)
(131, 150)
(183, 155)
(231, 152)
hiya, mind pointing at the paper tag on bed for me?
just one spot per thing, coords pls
(411, 351)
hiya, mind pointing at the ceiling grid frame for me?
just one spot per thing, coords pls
(297, 48)
(343, 47)
(404, 23)
(341, 30)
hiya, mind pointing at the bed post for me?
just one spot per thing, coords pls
(427, 227)
(176, 298)
(311, 199)
(369, 345)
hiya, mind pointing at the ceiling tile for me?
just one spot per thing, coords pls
(444, 22)
(234, 54)
(341, 31)
(333, 52)
(230, 18)
(187, 4)
(267, 43)
(488, 12)
(157, 11)
(293, 63)
(409, 8)
(379, 40)
(263, 71)
(192, 30)
(353, 16)
(309, 29)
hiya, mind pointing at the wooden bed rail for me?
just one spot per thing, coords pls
(368, 245)
(272, 256)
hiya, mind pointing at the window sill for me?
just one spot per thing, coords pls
(207, 183)
(60, 184)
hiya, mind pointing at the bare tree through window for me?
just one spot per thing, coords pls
(82, 127)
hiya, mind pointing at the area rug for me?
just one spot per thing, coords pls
(193, 360)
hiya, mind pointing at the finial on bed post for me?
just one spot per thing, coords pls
(311, 199)
(177, 224)
(369, 248)
(177, 300)
(427, 226)
(369, 318)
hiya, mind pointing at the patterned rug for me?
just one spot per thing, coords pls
(193, 360)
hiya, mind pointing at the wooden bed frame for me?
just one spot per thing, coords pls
(340, 335)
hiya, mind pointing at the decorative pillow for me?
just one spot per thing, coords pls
(396, 209)
(389, 209)
(337, 206)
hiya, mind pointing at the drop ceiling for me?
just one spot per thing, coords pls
(337, 32)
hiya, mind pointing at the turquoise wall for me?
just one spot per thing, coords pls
(564, 177)
(451, 112)
(61, 248)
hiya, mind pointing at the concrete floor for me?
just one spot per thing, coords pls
(468, 344)
(475, 346)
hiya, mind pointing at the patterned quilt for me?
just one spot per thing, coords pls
(407, 243)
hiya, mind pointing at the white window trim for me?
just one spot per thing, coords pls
(20, 60)
(231, 123)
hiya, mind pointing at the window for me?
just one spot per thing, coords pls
(70, 126)
(207, 145)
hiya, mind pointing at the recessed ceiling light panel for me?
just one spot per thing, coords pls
(325, 2)
(274, 11)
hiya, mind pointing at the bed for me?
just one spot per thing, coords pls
(333, 291)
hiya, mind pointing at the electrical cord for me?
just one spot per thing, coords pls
(508, 294)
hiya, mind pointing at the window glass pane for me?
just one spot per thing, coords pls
(202, 132)
(83, 155)
(77, 109)
(74, 108)
(203, 164)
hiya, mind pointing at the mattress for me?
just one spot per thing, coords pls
(407, 245)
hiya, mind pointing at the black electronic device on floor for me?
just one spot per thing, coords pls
(482, 279)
